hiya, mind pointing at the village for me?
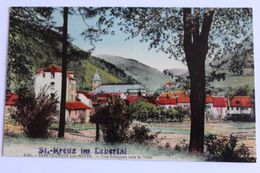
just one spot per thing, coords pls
(80, 105)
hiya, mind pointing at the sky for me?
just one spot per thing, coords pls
(117, 45)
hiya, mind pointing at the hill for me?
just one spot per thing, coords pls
(46, 50)
(150, 77)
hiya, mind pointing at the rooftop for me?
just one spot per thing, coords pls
(11, 99)
(118, 88)
(240, 101)
(219, 102)
(76, 105)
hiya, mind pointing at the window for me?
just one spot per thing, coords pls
(52, 96)
(43, 74)
(52, 85)
(52, 75)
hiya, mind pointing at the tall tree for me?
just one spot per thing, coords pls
(92, 34)
(64, 73)
(192, 35)
(27, 26)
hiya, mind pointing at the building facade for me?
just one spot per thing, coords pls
(51, 78)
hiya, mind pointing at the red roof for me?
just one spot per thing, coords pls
(51, 68)
(11, 99)
(209, 99)
(219, 102)
(115, 94)
(179, 93)
(132, 98)
(88, 94)
(184, 98)
(167, 101)
(54, 69)
(240, 101)
(76, 105)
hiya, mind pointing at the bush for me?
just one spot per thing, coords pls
(114, 120)
(181, 112)
(140, 135)
(35, 113)
(182, 146)
(224, 149)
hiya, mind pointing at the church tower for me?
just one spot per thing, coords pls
(96, 81)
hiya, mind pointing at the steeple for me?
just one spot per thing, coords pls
(96, 81)
(96, 76)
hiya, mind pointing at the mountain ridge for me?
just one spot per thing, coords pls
(150, 77)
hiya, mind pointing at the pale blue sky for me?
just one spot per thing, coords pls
(116, 45)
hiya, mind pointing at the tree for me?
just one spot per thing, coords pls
(91, 34)
(35, 112)
(27, 26)
(114, 120)
(64, 73)
(192, 35)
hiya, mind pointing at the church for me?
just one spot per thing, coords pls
(127, 89)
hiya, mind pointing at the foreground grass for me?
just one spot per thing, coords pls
(22, 146)
(218, 128)
(74, 126)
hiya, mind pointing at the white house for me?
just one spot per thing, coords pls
(51, 77)
(219, 107)
(167, 101)
(183, 100)
(84, 99)
(240, 106)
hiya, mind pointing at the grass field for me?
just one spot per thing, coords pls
(83, 136)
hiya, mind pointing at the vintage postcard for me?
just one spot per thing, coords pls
(130, 83)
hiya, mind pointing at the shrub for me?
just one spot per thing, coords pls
(171, 113)
(226, 149)
(182, 146)
(181, 112)
(144, 110)
(114, 120)
(140, 135)
(35, 113)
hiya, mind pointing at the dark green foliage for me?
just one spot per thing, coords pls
(181, 113)
(244, 90)
(27, 28)
(35, 112)
(141, 135)
(144, 110)
(227, 150)
(114, 120)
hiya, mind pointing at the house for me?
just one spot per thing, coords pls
(51, 77)
(77, 112)
(208, 103)
(167, 101)
(132, 99)
(183, 100)
(240, 107)
(219, 107)
(10, 104)
(84, 98)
